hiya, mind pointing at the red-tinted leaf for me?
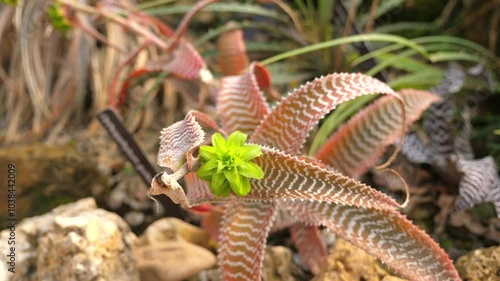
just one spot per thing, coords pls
(202, 209)
(240, 104)
(184, 62)
(212, 221)
(287, 177)
(263, 78)
(359, 144)
(150, 20)
(310, 244)
(245, 227)
(233, 58)
(197, 190)
(288, 125)
(385, 234)
(177, 140)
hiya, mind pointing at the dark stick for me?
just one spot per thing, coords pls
(129, 147)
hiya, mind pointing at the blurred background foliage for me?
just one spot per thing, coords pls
(56, 72)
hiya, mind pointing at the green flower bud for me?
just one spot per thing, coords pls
(227, 164)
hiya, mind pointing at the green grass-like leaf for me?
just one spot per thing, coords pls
(424, 80)
(437, 43)
(347, 40)
(250, 9)
(456, 56)
(151, 4)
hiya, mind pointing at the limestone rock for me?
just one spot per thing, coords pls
(172, 261)
(480, 265)
(348, 263)
(207, 275)
(76, 242)
(277, 264)
(392, 278)
(173, 229)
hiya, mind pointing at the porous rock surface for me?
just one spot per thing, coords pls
(480, 265)
(74, 242)
(173, 250)
(348, 263)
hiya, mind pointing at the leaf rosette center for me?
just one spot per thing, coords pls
(227, 166)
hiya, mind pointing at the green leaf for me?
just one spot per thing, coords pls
(217, 184)
(249, 152)
(347, 40)
(208, 152)
(251, 170)
(424, 80)
(57, 18)
(219, 143)
(219, 8)
(10, 2)
(151, 4)
(236, 140)
(455, 56)
(234, 179)
(245, 187)
(206, 170)
(220, 166)
(240, 185)
(224, 190)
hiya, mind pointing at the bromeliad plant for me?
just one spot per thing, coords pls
(295, 191)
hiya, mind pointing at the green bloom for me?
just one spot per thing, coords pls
(57, 18)
(227, 166)
(9, 2)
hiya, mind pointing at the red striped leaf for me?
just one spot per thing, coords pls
(177, 140)
(385, 234)
(310, 244)
(288, 125)
(184, 62)
(197, 190)
(240, 103)
(233, 59)
(243, 234)
(288, 178)
(360, 142)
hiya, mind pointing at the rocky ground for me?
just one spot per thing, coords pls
(79, 241)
